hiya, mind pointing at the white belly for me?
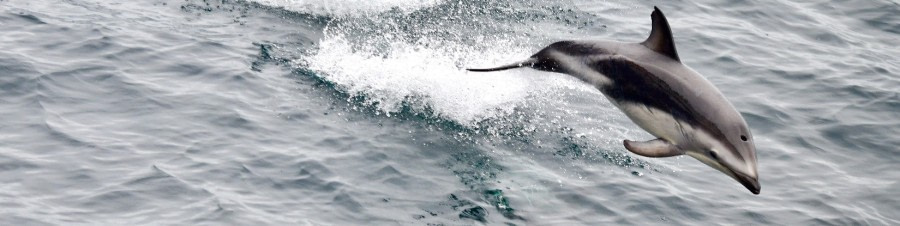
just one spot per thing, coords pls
(657, 122)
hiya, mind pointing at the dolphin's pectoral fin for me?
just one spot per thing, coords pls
(653, 148)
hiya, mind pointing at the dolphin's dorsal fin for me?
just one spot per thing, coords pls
(660, 39)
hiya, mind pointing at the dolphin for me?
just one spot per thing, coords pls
(671, 101)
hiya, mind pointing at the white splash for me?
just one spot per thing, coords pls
(348, 7)
(433, 77)
(429, 73)
(427, 76)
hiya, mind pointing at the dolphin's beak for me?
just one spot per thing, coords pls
(751, 183)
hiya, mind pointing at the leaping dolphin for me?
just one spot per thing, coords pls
(648, 82)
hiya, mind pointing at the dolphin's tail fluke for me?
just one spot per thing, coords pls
(526, 63)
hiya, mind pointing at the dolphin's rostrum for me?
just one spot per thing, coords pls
(648, 82)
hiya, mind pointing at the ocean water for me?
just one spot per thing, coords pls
(360, 112)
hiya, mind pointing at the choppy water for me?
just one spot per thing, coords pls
(355, 112)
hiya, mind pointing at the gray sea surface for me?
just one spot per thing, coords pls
(360, 112)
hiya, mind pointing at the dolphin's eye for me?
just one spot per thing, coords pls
(713, 155)
(743, 138)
